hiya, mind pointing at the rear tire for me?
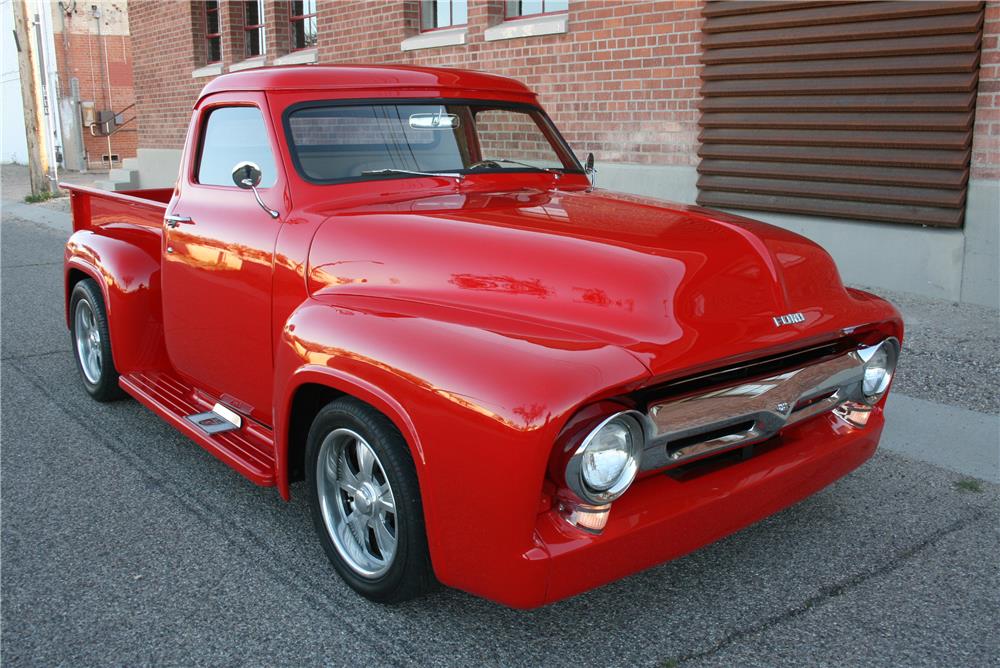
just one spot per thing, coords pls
(88, 326)
(365, 502)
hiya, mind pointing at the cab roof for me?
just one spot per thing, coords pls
(372, 80)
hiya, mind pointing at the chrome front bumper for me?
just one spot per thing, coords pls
(708, 423)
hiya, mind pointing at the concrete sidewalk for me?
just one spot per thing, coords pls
(14, 183)
(964, 441)
(953, 423)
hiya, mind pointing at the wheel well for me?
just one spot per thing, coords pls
(308, 400)
(72, 278)
(75, 276)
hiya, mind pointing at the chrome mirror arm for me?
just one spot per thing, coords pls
(250, 184)
(591, 170)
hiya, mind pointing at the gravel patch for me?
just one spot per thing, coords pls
(951, 352)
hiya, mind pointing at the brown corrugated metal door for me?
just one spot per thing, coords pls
(851, 110)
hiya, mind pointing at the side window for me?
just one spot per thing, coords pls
(234, 135)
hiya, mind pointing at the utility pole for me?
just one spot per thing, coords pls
(31, 97)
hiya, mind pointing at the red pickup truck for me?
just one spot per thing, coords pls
(400, 285)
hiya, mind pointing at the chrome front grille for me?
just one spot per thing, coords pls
(741, 414)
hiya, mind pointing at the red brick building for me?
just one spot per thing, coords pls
(871, 127)
(93, 52)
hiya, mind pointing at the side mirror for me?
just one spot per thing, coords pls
(590, 169)
(247, 175)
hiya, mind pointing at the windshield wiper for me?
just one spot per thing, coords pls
(384, 172)
(515, 162)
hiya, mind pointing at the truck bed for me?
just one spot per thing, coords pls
(92, 207)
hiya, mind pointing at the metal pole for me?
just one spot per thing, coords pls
(47, 111)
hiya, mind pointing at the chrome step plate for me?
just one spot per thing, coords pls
(217, 420)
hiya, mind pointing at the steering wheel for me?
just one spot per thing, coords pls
(488, 164)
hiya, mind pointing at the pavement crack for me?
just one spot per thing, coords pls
(35, 264)
(831, 591)
(11, 358)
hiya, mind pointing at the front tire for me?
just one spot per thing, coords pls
(366, 502)
(92, 342)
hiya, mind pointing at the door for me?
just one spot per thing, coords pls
(218, 258)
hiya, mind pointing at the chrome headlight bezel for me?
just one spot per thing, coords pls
(633, 421)
(871, 356)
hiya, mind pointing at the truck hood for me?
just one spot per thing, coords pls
(676, 286)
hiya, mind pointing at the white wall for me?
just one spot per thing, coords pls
(13, 146)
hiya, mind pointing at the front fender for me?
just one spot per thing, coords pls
(479, 406)
(124, 261)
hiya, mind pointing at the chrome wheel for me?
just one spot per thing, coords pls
(356, 502)
(88, 341)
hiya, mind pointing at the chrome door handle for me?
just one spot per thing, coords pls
(174, 221)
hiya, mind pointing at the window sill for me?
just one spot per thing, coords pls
(532, 26)
(434, 39)
(211, 70)
(302, 57)
(249, 63)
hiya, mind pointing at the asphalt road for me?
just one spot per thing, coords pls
(123, 543)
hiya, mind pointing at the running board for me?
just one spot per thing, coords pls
(244, 445)
(217, 420)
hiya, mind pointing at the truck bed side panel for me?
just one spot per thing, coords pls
(117, 242)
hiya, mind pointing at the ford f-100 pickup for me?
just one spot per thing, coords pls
(400, 285)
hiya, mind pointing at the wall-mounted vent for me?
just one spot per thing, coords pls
(850, 110)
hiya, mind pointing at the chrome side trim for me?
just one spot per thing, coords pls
(730, 417)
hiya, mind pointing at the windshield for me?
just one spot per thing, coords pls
(334, 143)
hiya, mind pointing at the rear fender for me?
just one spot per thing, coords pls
(124, 261)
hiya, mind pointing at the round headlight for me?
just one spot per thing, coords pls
(880, 363)
(606, 457)
(607, 461)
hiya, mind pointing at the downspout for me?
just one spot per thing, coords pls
(105, 75)
(74, 95)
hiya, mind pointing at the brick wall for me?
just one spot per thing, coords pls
(168, 48)
(986, 134)
(102, 64)
(622, 82)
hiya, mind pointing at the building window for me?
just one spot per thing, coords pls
(437, 14)
(253, 27)
(302, 16)
(515, 9)
(213, 37)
